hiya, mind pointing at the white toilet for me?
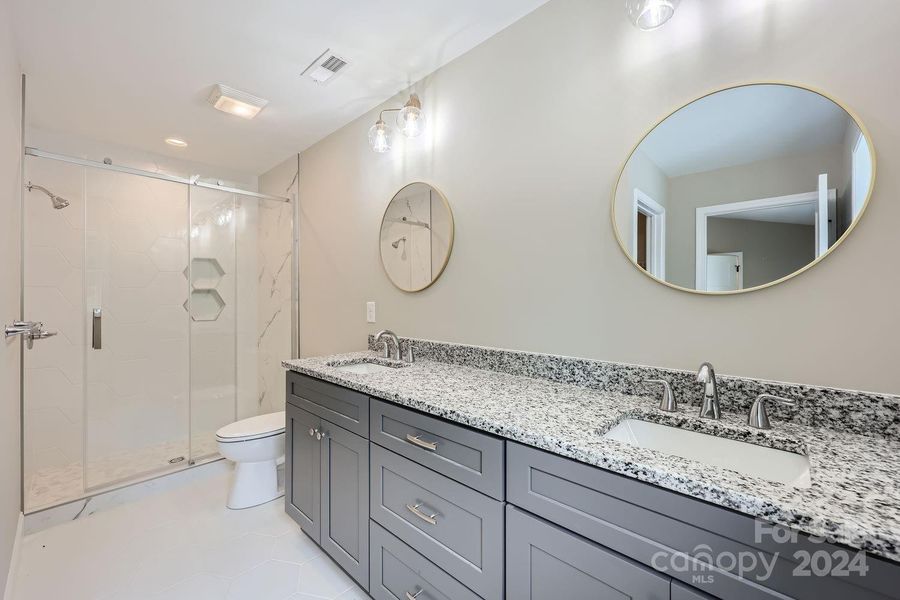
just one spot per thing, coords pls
(255, 445)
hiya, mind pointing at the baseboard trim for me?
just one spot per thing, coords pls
(14, 559)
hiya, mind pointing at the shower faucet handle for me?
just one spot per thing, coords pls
(37, 333)
(23, 328)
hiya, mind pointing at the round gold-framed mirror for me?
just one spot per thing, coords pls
(743, 188)
(416, 236)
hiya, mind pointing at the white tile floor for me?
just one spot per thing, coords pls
(181, 543)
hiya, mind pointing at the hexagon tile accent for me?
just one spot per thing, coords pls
(204, 305)
(204, 273)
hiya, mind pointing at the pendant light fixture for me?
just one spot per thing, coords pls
(650, 14)
(380, 137)
(410, 121)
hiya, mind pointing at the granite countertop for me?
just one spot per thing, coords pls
(853, 499)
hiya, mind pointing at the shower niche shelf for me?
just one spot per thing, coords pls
(204, 273)
(204, 305)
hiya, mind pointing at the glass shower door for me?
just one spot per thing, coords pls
(215, 309)
(137, 332)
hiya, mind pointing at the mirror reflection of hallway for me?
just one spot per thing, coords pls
(779, 173)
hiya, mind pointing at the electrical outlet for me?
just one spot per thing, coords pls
(370, 312)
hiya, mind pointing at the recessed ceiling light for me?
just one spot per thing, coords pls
(177, 142)
(235, 102)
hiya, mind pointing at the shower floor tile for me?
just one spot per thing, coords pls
(180, 543)
(51, 486)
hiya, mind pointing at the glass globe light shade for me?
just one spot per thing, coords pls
(411, 119)
(650, 14)
(380, 137)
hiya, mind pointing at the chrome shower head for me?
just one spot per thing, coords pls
(58, 201)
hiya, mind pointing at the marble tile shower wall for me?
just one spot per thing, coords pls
(843, 410)
(273, 339)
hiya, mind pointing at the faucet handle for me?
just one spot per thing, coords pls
(758, 416)
(667, 402)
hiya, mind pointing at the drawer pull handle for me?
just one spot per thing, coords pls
(414, 439)
(414, 596)
(414, 509)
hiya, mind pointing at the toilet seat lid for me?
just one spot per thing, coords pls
(254, 427)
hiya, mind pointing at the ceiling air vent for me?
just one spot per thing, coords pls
(326, 67)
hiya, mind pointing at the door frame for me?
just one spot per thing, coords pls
(656, 235)
(703, 213)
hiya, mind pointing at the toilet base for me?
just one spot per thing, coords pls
(253, 483)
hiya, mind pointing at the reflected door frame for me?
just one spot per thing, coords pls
(656, 232)
(703, 213)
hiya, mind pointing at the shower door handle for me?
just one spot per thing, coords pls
(96, 329)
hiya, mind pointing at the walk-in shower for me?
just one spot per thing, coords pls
(174, 303)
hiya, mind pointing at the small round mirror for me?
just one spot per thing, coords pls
(743, 188)
(416, 237)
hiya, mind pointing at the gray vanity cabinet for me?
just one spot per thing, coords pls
(302, 481)
(327, 488)
(399, 572)
(683, 592)
(546, 562)
(455, 527)
(470, 457)
(345, 500)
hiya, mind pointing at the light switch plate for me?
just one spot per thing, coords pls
(370, 312)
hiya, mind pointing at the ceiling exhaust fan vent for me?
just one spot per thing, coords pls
(325, 67)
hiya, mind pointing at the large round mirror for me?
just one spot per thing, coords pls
(416, 237)
(743, 188)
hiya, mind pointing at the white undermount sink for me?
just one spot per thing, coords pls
(365, 368)
(750, 459)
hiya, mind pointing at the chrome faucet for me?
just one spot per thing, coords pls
(710, 407)
(393, 337)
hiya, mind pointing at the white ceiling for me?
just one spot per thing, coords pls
(744, 125)
(133, 72)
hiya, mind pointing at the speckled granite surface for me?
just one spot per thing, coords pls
(844, 410)
(855, 494)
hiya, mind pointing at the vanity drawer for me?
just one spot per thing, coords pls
(398, 572)
(343, 407)
(469, 457)
(651, 525)
(458, 529)
(545, 562)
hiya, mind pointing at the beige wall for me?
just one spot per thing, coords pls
(10, 287)
(526, 143)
